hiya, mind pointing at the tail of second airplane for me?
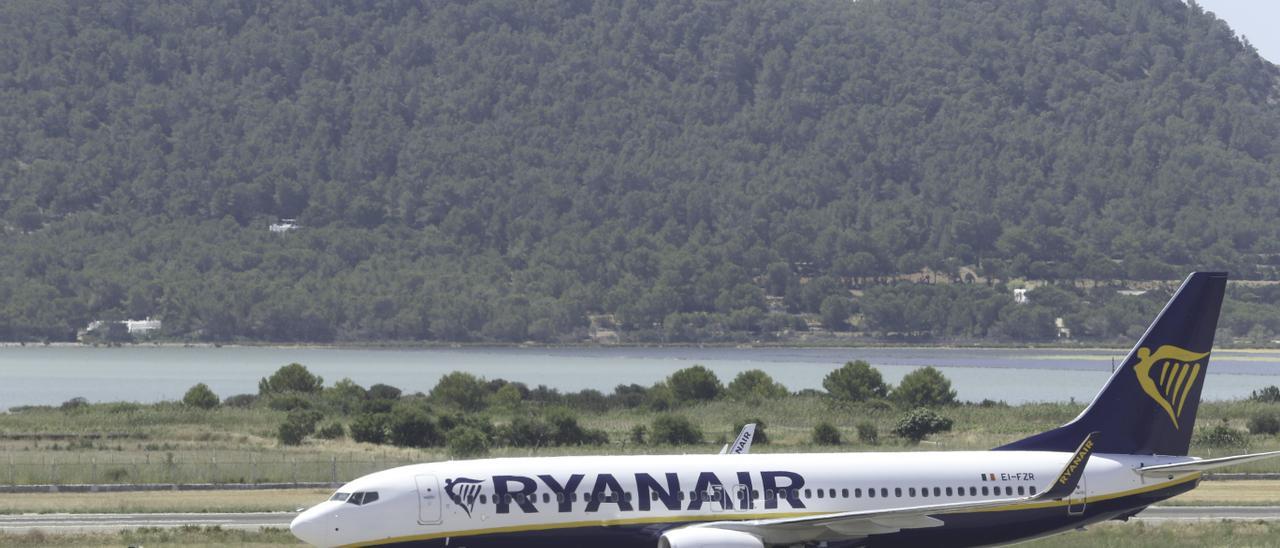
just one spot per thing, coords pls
(1149, 405)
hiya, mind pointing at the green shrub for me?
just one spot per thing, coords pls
(1270, 394)
(462, 390)
(639, 434)
(675, 430)
(630, 396)
(410, 426)
(74, 404)
(855, 381)
(200, 397)
(383, 392)
(240, 400)
(297, 425)
(755, 385)
(924, 387)
(694, 384)
(466, 442)
(867, 433)
(331, 431)
(288, 402)
(1264, 423)
(370, 428)
(587, 400)
(345, 396)
(919, 423)
(291, 378)
(526, 432)
(1221, 435)
(824, 433)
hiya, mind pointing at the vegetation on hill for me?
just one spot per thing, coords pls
(503, 170)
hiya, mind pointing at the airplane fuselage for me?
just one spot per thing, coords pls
(630, 501)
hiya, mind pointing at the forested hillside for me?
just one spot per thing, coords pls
(497, 170)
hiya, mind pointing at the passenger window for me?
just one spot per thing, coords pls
(984, 490)
(937, 491)
(911, 492)
(559, 497)
(808, 494)
(831, 493)
(819, 493)
(857, 493)
(1031, 491)
(483, 499)
(924, 491)
(897, 492)
(871, 493)
(844, 493)
(948, 491)
(884, 492)
(1008, 491)
(653, 495)
(973, 491)
(755, 493)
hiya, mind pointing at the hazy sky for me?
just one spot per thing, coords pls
(1257, 20)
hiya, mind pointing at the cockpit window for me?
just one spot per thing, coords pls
(362, 498)
(340, 497)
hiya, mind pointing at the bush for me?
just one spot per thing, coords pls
(675, 430)
(587, 400)
(240, 400)
(462, 390)
(383, 392)
(291, 378)
(1270, 394)
(526, 432)
(761, 436)
(297, 425)
(826, 434)
(639, 434)
(694, 384)
(508, 398)
(855, 381)
(630, 396)
(924, 387)
(868, 433)
(1264, 423)
(921, 422)
(1221, 435)
(370, 428)
(288, 402)
(200, 397)
(754, 385)
(345, 396)
(331, 431)
(466, 442)
(410, 426)
(74, 403)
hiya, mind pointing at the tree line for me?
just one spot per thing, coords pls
(496, 171)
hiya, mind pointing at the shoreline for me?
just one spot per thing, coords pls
(418, 345)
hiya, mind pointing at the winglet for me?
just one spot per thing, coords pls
(742, 445)
(1067, 481)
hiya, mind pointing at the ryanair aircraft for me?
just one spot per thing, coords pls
(1126, 451)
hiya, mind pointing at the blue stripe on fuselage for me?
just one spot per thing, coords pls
(967, 529)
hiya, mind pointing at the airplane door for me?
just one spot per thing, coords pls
(1076, 502)
(428, 499)
(716, 496)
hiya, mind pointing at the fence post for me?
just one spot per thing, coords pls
(53, 472)
(213, 469)
(333, 476)
(93, 473)
(253, 469)
(12, 472)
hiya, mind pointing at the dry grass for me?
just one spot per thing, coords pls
(188, 537)
(1231, 493)
(267, 500)
(1216, 534)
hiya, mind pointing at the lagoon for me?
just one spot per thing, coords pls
(38, 375)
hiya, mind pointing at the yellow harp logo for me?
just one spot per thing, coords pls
(1167, 375)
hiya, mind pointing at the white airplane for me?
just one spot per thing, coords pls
(1126, 451)
(742, 445)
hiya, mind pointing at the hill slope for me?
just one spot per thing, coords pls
(500, 170)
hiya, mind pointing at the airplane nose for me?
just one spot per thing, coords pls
(306, 528)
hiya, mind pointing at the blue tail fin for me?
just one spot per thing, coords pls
(1149, 405)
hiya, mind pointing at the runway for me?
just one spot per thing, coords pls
(72, 523)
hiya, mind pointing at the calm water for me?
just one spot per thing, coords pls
(39, 375)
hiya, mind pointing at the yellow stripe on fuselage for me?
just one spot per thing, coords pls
(744, 517)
